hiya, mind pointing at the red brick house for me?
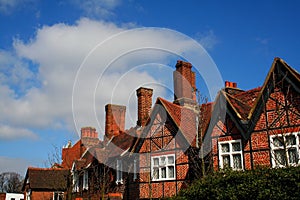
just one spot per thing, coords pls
(261, 125)
(165, 150)
(241, 130)
(88, 138)
(104, 169)
(46, 183)
(168, 138)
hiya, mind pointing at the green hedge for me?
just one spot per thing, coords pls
(282, 183)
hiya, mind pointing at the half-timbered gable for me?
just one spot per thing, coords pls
(261, 126)
(163, 145)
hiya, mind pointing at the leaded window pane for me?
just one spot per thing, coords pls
(155, 161)
(225, 148)
(293, 156)
(278, 141)
(155, 173)
(280, 157)
(171, 171)
(237, 161)
(171, 160)
(290, 140)
(236, 146)
(226, 161)
(162, 160)
(163, 172)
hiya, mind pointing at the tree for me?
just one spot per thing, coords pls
(11, 182)
(54, 156)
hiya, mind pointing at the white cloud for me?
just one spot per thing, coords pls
(12, 133)
(97, 8)
(59, 51)
(9, 6)
(207, 39)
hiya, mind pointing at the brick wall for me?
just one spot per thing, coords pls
(280, 115)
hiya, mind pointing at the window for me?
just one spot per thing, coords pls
(119, 179)
(28, 194)
(85, 185)
(285, 149)
(163, 167)
(230, 154)
(58, 195)
(135, 169)
(12, 199)
(75, 182)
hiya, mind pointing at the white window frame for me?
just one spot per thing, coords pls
(59, 194)
(85, 182)
(163, 165)
(274, 147)
(119, 172)
(28, 194)
(75, 182)
(231, 153)
(135, 169)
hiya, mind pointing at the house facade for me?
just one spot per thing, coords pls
(46, 183)
(175, 142)
(261, 127)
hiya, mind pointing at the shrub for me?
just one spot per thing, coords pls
(262, 183)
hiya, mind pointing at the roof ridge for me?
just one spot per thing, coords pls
(228, 100)
(284, 64)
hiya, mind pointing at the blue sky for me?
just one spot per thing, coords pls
(44, 42)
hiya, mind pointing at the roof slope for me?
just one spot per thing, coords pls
(47, 179)
(184, 118)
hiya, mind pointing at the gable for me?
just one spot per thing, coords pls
(160, 134)
(169, 126)
(279, 97)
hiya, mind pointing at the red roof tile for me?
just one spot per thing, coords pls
(184, 118)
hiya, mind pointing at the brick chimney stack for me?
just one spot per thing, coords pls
(144, 96)
(230, 84)
(114, 120)
(184, 83)
(89, 132)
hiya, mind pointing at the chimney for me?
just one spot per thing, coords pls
(184, 84)
(89, 132)
(229, 84)
(114, 120)
(144, 96)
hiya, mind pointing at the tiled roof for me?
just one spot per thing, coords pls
(242, 102)
(206, 112)
(47, 179)
(118, 145)
(245, 102)
(184, 118)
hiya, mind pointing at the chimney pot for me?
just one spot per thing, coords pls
(230, 84)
